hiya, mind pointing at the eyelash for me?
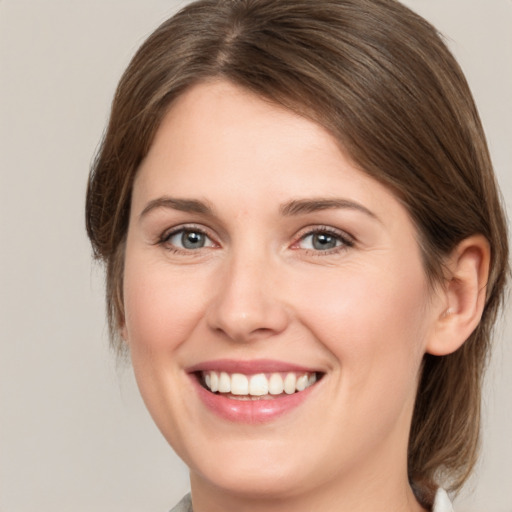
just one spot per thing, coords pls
(190, 228)
(346, 241)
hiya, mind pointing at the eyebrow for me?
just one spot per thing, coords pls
(183, 205)
(291, 208)
(303, 206)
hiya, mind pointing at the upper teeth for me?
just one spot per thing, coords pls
(259, 384)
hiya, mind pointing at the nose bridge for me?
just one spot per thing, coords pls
(247, 304)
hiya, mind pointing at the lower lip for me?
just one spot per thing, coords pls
(250, 411)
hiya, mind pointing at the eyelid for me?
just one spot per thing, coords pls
(163, 239)
(346, 239)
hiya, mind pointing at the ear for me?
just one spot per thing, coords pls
(462, 296)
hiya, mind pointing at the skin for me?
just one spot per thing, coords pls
(362, 313)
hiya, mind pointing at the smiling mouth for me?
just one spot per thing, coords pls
(259, 386)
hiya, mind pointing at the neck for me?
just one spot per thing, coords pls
(378, 494)
(377, 480)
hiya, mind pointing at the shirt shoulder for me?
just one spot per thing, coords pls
(442, 502)
(185, 505)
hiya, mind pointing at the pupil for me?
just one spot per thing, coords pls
(324, 241)
(192, 240)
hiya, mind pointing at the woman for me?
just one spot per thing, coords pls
(305, 253)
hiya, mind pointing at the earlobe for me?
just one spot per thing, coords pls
(462, 296)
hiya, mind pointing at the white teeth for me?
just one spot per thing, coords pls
(289, 383)
(275, 384)
(239, 384)
(214, 382)
(258, 385)
(224, 383)
(302, 383)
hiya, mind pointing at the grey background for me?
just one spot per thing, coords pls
(74, 435)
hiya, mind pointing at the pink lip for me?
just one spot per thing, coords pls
(248, 367)
(249, 411)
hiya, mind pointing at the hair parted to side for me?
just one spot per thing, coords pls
(381, 80)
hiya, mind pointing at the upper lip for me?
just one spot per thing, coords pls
(249, 367)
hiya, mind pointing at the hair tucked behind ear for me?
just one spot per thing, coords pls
(381, 80)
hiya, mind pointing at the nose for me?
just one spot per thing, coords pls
(248, 303)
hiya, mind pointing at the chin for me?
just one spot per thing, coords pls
(251, 482)
(253, 473)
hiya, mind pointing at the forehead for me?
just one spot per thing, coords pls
(225, 145)
(224, 117)
(221, 130)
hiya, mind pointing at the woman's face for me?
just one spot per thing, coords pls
(260, 258)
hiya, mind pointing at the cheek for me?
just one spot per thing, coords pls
(373, 322)
(162, 306)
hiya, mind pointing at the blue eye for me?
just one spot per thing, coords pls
(189, 239)
(323, 240)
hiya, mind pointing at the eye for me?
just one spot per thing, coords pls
(188, 239)
(324, 240)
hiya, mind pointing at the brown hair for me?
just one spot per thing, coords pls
(380, 79)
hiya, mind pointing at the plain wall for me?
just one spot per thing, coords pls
(74, 434)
